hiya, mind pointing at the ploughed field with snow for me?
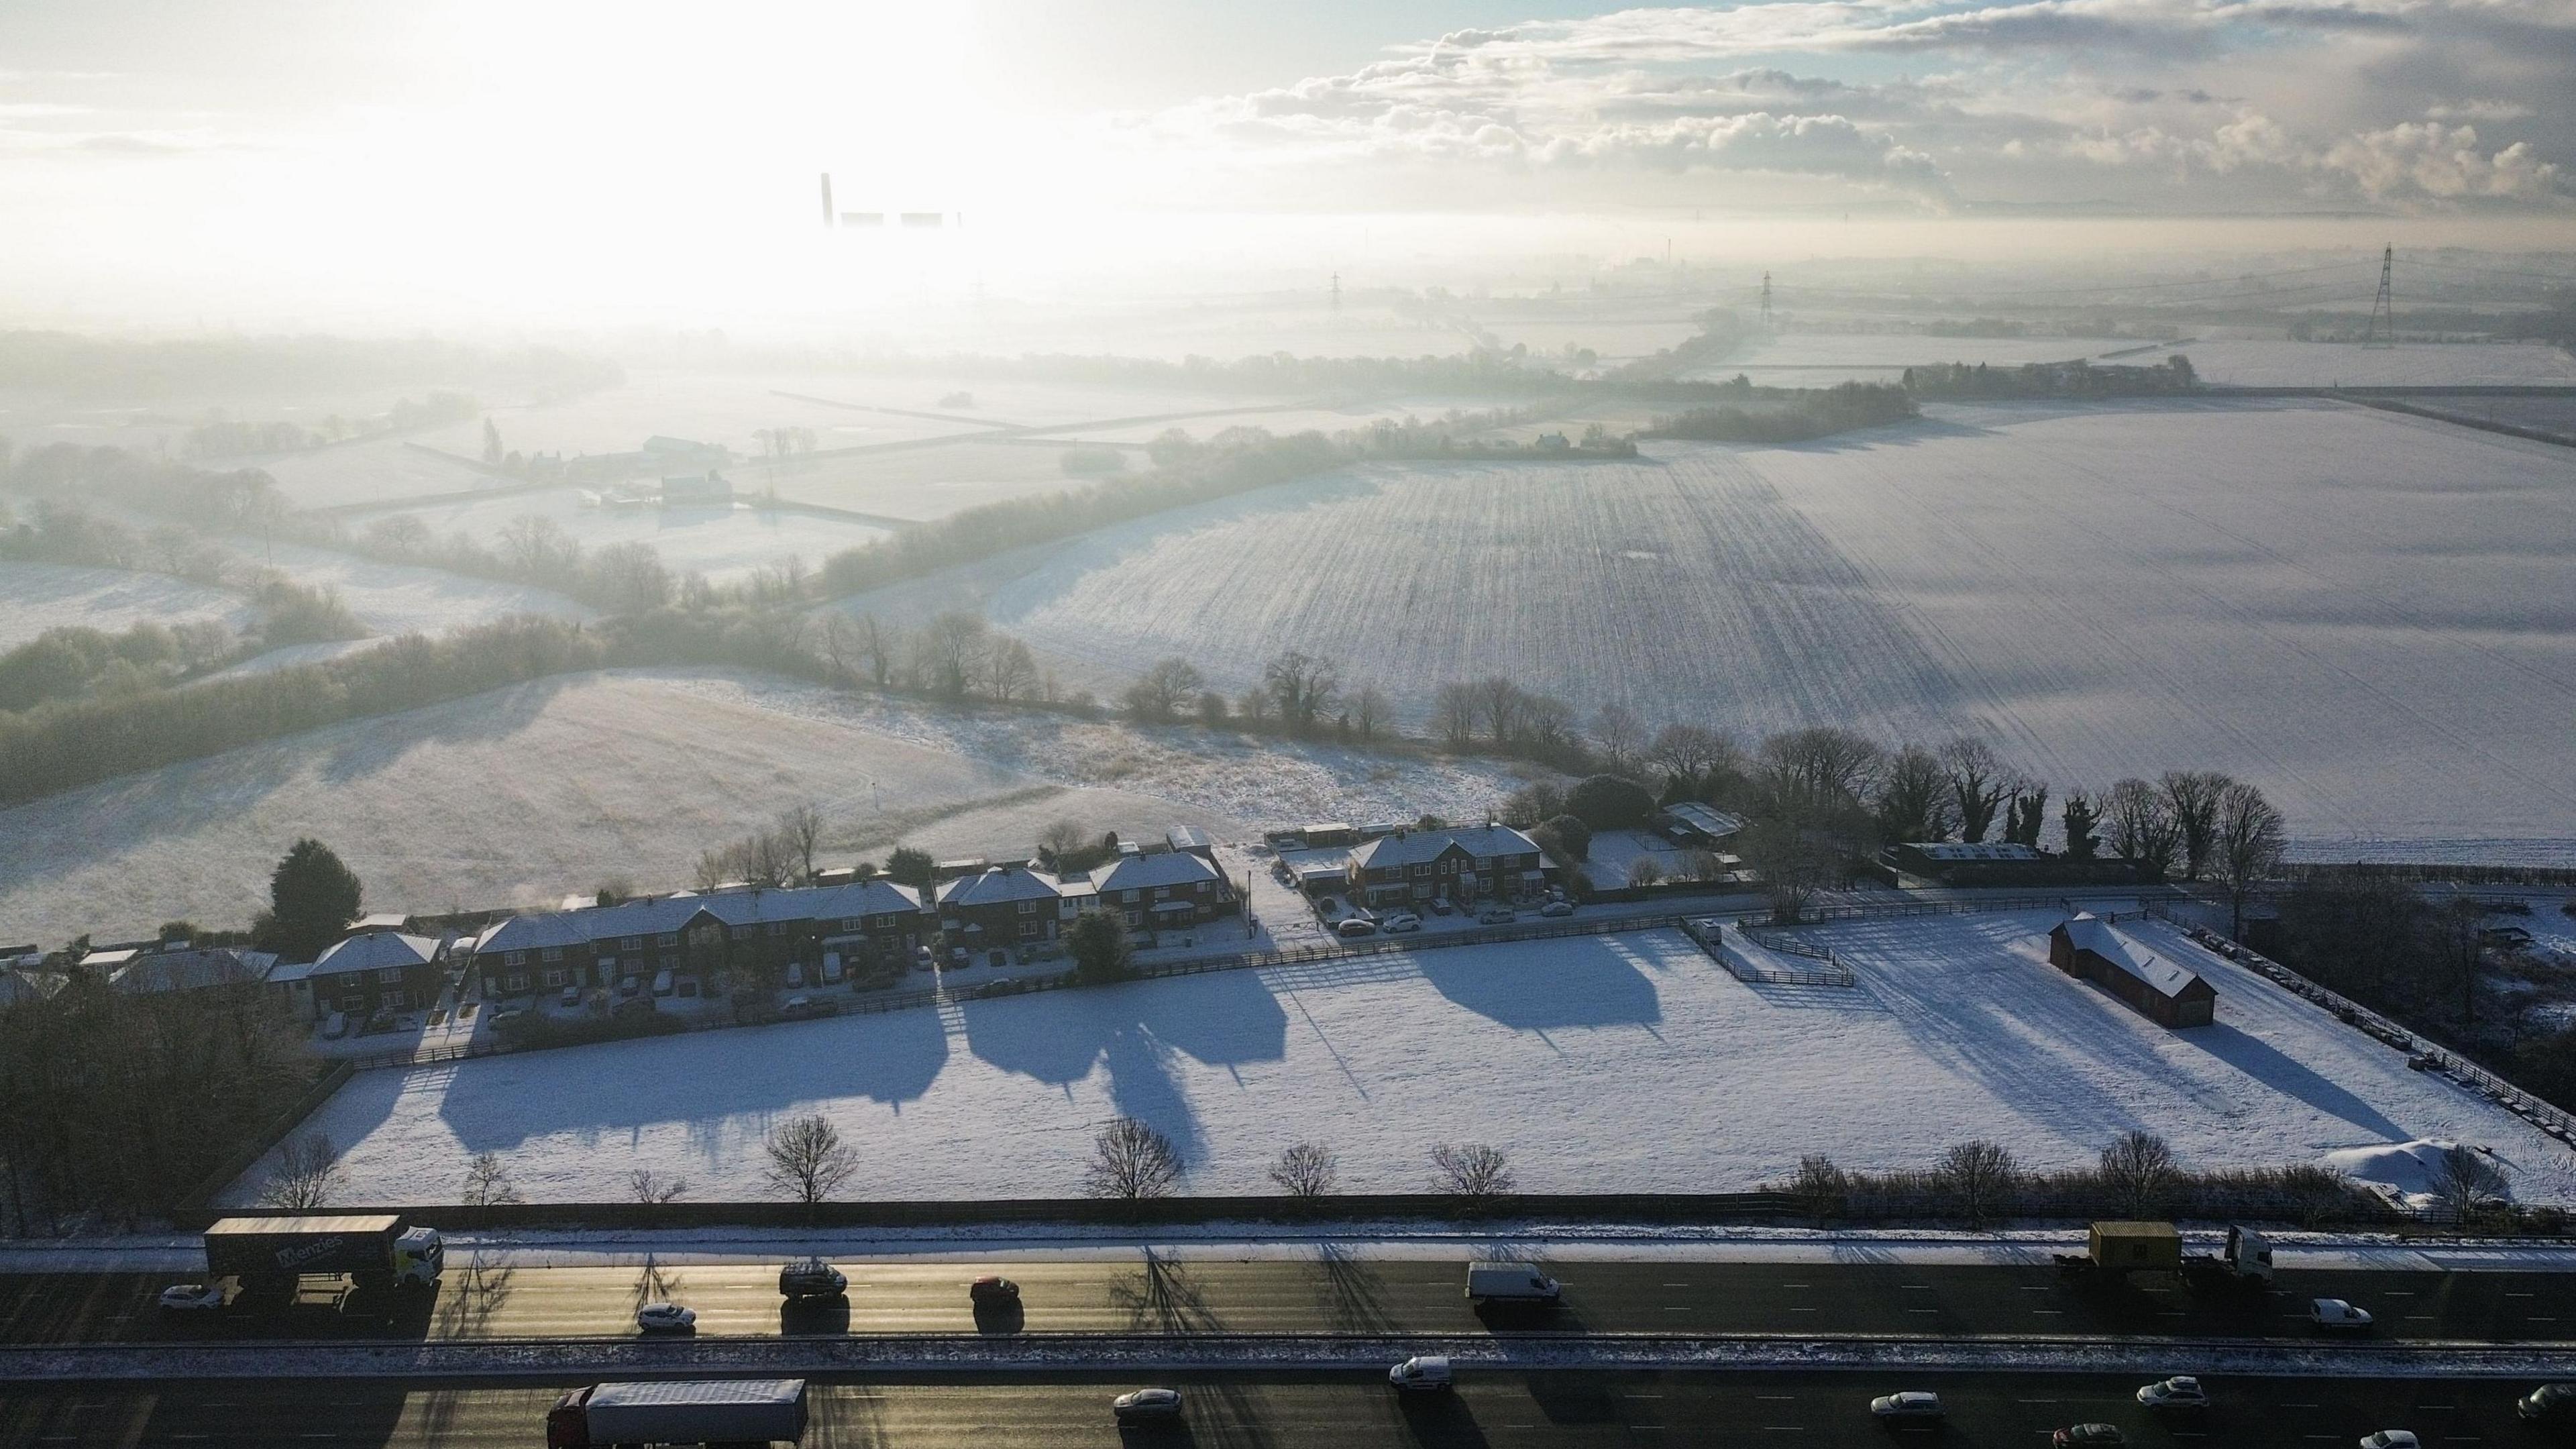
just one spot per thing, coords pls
(523, 795)
(1629, 1062)
(2372, 616)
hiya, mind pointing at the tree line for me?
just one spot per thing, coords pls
(1805, 415)
(221, 436)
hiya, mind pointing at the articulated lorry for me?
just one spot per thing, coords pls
(2119, 1249)
(375, 1250)
(756, 1411)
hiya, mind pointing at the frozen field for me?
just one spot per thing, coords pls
(35, 597)
(2372, 616)
(398, 599)
(524, 794)
(718, 542)
(924, 483)
(2258, 363)
(1619, 1063)
(1822, 359)
(376, 470)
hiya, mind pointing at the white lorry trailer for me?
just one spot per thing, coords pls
(712, 1412)
(1511, 1283)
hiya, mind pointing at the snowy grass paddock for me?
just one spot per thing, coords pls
(1617, 1063)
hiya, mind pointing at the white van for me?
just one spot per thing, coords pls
(1420, 1375)
(1510, 1283)
(661, 983)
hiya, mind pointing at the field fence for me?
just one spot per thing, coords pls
(2421, 1054)
(1710, 933)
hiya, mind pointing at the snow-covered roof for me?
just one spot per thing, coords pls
(2089, 932)
(529, 933)
(190, 970)
(878, 897)
(1187, 837)
(1962, 850)
(1706, 819)
(998, 885)
(1421, 845)
(18, 984)
(1142, 872)
(106, 962)
(376, 950)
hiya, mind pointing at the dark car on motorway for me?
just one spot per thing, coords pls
(1147, 1406)
(2086, 1436)
(992, 1291)
(2553, 1404)
(811, 1278)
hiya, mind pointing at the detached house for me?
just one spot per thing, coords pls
(376, 971)
(1167, 889)
(1460, 865)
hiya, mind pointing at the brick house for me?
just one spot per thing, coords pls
(1002, 905)
(601, 945)
(377, 971)
(2147, 977)
(1169, 888)
(1414, 867)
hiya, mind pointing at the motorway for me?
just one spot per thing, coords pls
(1328, 1294)
(1304, 1411)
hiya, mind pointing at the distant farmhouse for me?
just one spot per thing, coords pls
(2147, 978)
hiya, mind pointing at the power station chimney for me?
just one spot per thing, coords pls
(827, 200)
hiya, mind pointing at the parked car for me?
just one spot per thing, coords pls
(1557, 908)
(572, 995)
(2081, 1436)
(666, 1318)
(2511, 938)
(630, 1009)
(2182, 1391)
(992, 1290)
(997, 958)
(1421, 1375)
(1355, 926)
(335, 1026)
(1440, 906)
(960, 956)
(798, 1008)
(2336, 1316)
(2392, 1439)
(631, 987)
(509, 1016)
(2548, 1404)
(662, 983)
(1147, 1406)
(192, 1297)
(1400, 922)
(1495, 915)
(1911, 1409)
(811, 1278)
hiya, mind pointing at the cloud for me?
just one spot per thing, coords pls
(2430, 161)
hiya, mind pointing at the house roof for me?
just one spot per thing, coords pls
(1706, 819)
(375, 951)
(530, 932)
(878, 897)
(191, 970)
(998, 885)
(1187, 837)
(1140, 872)
(1962, 850)
(2088, 932)
(1414, 847)
(18, 984)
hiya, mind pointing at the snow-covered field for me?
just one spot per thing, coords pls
(399, 599)
(525, 794)
(1821, 359)
(2270, 363)
(1617, 1063)
(926, 482)
(718, 542)
(2372, 616)
(35, 597)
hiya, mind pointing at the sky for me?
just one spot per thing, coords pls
(274, 154)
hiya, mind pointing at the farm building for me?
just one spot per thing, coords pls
(2146, 977)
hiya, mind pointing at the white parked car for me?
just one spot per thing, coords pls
(1400, 922)
(666, 1318)
(2179, 1392)
(335, 1026)
(192, 1297)
(572, 996)
(1494, 915)
(2392, 1439)
(1557, 908)
(2333, 1314)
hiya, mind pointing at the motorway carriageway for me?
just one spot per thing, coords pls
(1327, 1294)
(1305, 1411)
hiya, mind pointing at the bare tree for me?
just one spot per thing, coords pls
(1820, 767)
(1621, 737)
(1981, 1175)
(1010, 671)
(952, 652)
(1914, 801)
(1644, 872)
(1132, 1161)
(1302, 685)
(650, 1188)
(2247, 848)
(1979, 785)
(2139, 1171)
(768, 859)
(1158, 693)
(1453, 715)
(1547, 728)
(1212, 708)
(1308, 1169)
(2466, 1179)
(2459, 939)
(487, 1181)
(1692, 753)
(1498, 704)
(878, 646)
(1470, 1171)
(1820, 1187)
(800, 827)
(2142, 826)
(807, 1159)
(2192, 797)
(1370, 711)
(1065, 836)
(307, 1174)
(716, 867)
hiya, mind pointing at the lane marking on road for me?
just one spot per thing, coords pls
(1776, 1398)
(1794, 1285)
(1677, 1285)
(2049, 1312)
(2298, 1406)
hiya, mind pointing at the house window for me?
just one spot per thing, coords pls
(551, 953)
(670, 963)
(1028, 908)
(554, 977)
(1131, 897)
(635, 943)
(667, 938)
(778, 928)
(514, 958)
(390, 975)
(353, 1003)
(1162, 893)
(515, 982)
(740, 933)
(1028, 930)
(852, 924)
(1484, 862)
